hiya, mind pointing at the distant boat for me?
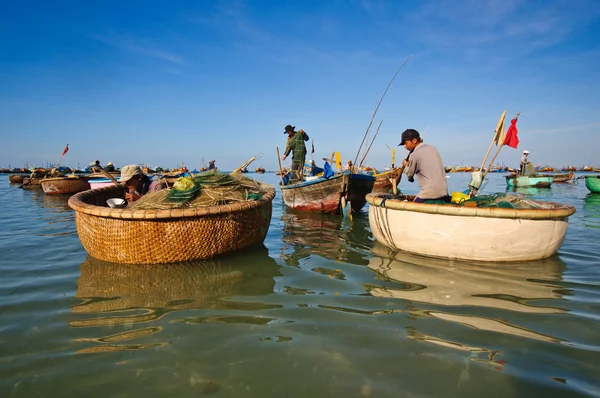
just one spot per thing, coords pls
(327, 195)
(558, 177)
(528, 181)
(259, 170)
(65, 185)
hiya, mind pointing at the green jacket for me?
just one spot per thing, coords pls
(296, 146)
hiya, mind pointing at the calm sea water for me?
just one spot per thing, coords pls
(319, 310)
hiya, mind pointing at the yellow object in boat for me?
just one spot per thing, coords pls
(459, 197)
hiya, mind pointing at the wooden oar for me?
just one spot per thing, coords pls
(280, 169)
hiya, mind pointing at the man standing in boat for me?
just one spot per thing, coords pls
(138, 184)
(295, 145)
(524, 162)
(425, 162)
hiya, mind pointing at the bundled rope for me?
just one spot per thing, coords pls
(210, 188)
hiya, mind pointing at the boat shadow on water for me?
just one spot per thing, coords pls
(123, 295)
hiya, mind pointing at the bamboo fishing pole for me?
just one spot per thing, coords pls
(378, 104)
(368, 149)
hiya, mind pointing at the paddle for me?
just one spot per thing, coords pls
(280, 169)
(399, 178)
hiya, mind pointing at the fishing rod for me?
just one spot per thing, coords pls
(378, 104)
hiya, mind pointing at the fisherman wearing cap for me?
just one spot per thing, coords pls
(109, 167)
(138, 184)
(295, 145)
(424, 161)
(524, 162)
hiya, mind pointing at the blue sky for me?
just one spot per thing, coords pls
(162, 83)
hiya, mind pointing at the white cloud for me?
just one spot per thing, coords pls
(139, 46)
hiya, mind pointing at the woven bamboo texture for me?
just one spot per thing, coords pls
(167, 236)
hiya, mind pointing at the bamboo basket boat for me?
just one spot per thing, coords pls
(486, 233)
(166, 236)
(65, 185)
(593, 183)
(16, 178)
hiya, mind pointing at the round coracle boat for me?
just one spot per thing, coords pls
(136, 236)
(65, 185)
(16, 178)
(510, 229)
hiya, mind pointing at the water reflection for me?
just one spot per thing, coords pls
(591, 210)
(531, 191)
(332, 237)
(122, 295)
(509, 286)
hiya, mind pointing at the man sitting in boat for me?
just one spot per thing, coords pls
(348, 166)
(138, 184)
(109, 167)
(211, 165)
(426, 162)
(295, 145)
(524, 162)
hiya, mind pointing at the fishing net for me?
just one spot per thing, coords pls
(209, 188)
(495, 200)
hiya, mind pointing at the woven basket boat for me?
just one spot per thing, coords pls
(470, 233)
(16, 178)
(166, 236)
(65, 185)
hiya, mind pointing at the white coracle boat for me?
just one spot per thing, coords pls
(498, 228)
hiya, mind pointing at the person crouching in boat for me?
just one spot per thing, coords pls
(138, 184)
(426, 162)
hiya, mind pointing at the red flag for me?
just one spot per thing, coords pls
(512, 140)
(65, 150)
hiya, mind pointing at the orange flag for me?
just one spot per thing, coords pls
(65, 150)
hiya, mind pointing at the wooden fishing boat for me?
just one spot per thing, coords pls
(559, 177)
(166, 236)
(382, 181)
(324, 195)
(528, 181)
(593, 183)
(16, 178)
(65, 185)
(532, 231)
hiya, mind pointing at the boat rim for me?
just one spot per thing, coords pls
(77, 203)
(558, 211)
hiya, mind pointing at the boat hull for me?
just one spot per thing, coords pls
(525, 181)
(324, 195)
(457, 232)
(382, 181)
(559, 177)
(16, 178)
(592, 183)
(100, 183)
(64, 185)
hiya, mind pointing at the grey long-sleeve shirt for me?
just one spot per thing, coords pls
(426, 163)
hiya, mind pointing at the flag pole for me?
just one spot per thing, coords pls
(61, 156)
(497, 152)
(497, 134)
